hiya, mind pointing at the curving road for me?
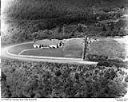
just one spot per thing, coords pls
(7, 54)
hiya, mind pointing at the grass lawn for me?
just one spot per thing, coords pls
(44, 52)
(52, 53)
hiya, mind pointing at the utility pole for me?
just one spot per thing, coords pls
(85, 43)
(85, 47)
(63, 30)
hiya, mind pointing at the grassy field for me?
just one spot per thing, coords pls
(44, 52)
(108, 47)
(59, 52)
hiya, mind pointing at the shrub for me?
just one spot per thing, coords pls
(104, 63)
(112, 62)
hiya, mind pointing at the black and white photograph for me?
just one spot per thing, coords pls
(64, 49)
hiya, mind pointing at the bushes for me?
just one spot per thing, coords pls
(96, 58)
(105, 61)
(41, 79)
(112, 62)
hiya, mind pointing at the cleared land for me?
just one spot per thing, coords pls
(59, 52)
(44, 52)
(73, 49)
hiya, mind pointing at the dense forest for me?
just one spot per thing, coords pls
(45, 9)
(42, 19)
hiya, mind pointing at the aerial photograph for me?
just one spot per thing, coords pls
(64, 49)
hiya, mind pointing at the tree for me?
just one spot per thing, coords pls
(60, 29)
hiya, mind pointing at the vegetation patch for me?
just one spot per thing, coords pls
(21, 79)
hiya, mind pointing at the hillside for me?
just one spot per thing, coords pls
(27, 20)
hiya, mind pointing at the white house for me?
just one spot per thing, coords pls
(53, 43)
